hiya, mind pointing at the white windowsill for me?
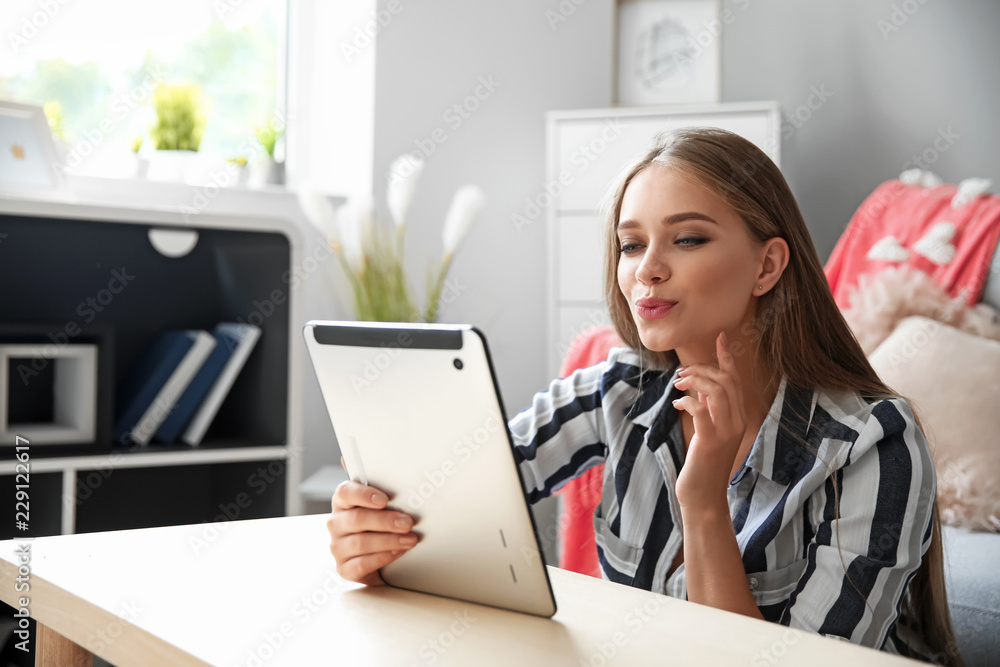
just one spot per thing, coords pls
(189, 200)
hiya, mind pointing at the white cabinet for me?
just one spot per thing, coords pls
(587, 150)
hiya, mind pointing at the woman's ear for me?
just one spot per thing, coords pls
(774, 259)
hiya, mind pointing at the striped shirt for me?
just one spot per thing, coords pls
(781, 500)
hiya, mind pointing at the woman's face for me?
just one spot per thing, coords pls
(688, 265)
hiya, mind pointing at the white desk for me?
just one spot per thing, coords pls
(266, 593)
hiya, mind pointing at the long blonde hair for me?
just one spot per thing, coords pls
(804, 337)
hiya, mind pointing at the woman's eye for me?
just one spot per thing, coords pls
(629, 248)
(690, 241)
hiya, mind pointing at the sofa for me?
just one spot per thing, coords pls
(945, 361)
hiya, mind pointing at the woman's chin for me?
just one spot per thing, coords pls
(655, 342)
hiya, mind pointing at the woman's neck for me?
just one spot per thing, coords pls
(757, 396)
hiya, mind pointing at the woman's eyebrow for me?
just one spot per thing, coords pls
(670, 219)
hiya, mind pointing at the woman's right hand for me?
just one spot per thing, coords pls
(364, 535)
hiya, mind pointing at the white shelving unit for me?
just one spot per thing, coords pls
(49, 258)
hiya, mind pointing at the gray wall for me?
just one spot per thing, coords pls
(890, 98)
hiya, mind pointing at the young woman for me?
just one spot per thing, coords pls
(754, 461)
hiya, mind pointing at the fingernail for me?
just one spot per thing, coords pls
(678, 380)
(725, 339)
(379, 498)
(403, 522)
(407, 541)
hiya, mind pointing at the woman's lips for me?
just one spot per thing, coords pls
(652, 309)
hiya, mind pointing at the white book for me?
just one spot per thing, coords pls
(158, 410)
(247, 334)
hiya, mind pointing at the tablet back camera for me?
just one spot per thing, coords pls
(458, 363)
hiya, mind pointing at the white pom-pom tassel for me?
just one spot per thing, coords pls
(969, 189)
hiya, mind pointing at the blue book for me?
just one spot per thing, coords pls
(226, 343)
(242, 338)
(157, 380)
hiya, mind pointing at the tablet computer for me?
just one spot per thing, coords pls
(417, 412)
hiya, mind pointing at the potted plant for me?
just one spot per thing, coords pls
(371, 256)
(268, 137)
(56, 118)
(141, 163)
(176, 134)
(242, 174)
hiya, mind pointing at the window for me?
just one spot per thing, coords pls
(95, 65)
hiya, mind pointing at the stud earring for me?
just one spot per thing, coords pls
(760, 287)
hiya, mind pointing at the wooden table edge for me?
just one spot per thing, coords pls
(57, 610)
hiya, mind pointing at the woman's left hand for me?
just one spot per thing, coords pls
(720, 422)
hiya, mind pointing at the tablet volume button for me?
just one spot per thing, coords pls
(503, 539)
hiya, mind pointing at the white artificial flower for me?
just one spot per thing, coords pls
(466, 206)
(404, 173)
(318, 210)
(355, 226)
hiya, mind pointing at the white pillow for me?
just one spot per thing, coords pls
(952, 380)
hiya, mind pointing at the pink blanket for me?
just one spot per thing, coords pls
(917, 226)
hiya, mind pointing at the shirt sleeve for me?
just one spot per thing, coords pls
(561, 434)
(860, 561)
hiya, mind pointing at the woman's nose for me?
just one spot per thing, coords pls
(651, 269)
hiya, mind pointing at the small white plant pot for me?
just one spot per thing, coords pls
(170, 165)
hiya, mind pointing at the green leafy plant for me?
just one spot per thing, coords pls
(268, 137)
(180, 118)
(137, 144)
(56, 117)
(239, 161)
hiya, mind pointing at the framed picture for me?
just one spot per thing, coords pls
(668, 52)
(28, 157)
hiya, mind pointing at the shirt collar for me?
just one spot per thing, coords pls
(777, 454)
